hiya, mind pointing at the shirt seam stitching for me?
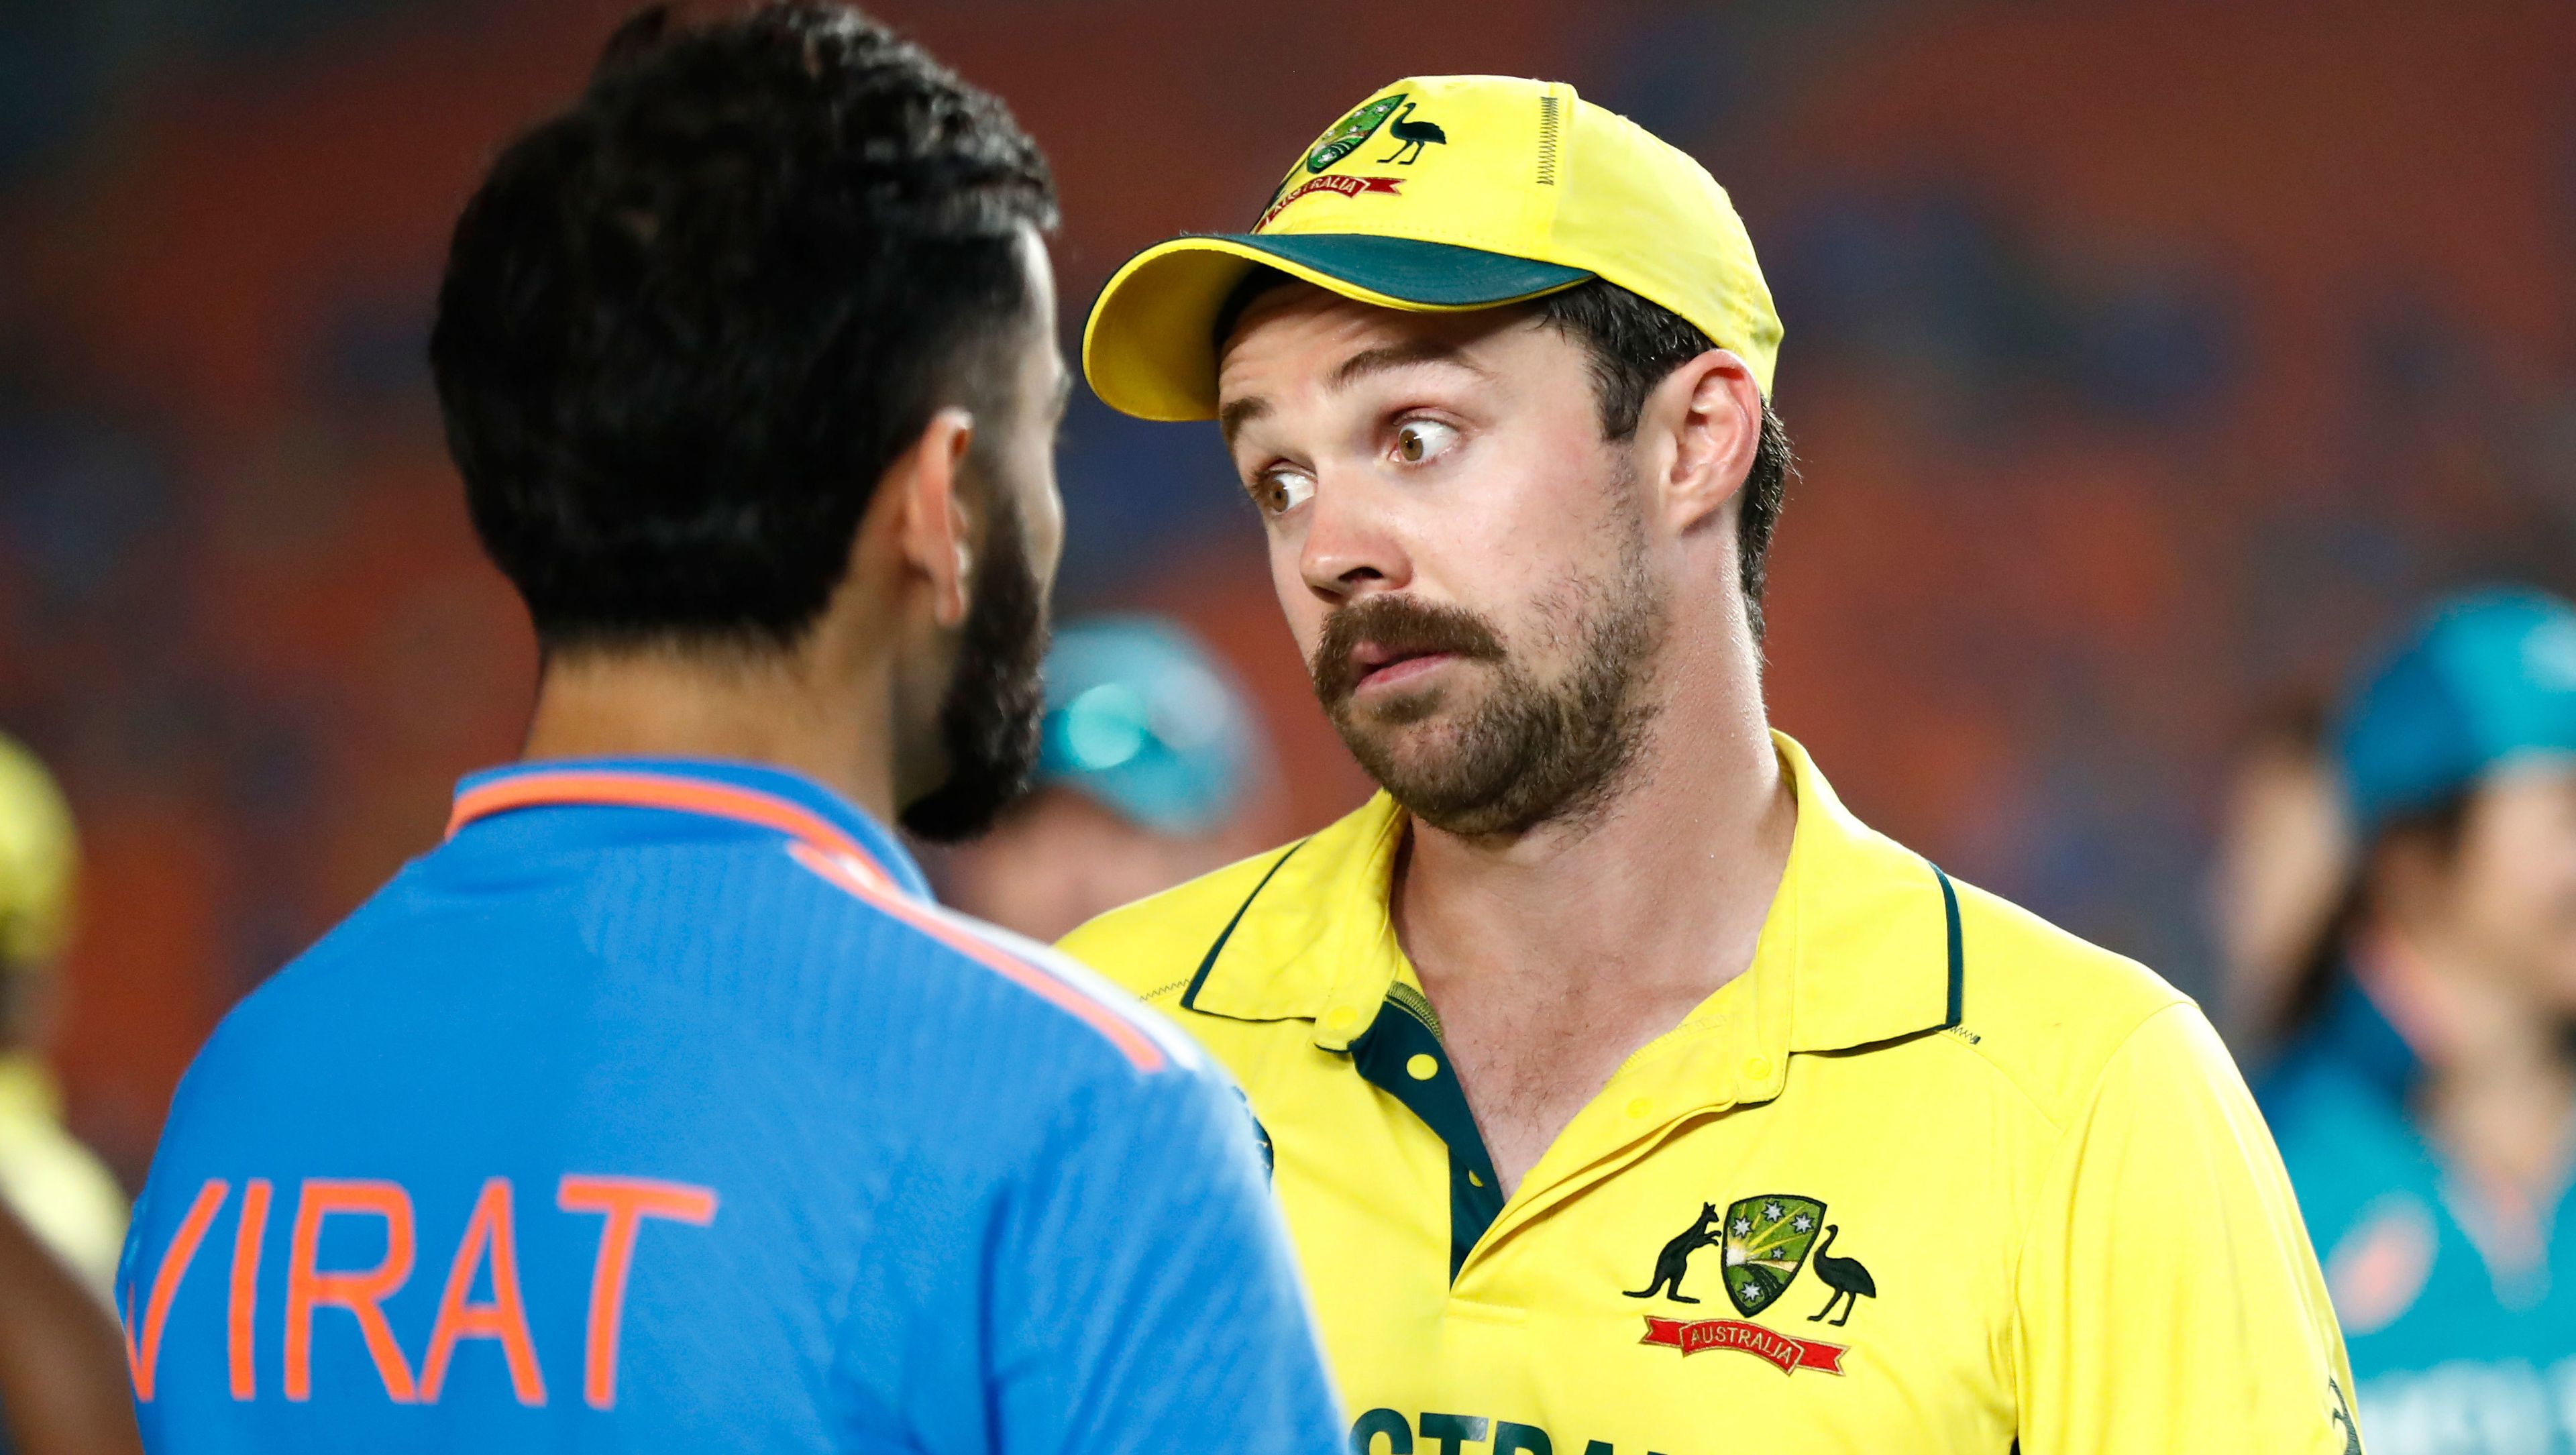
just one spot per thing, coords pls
(2003, 1074)
(2091, 1099)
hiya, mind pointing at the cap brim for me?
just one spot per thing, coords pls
(1150, 348)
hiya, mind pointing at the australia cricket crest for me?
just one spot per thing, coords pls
(1767, 1240)
(1354, 129)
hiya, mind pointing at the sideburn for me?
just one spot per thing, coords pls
(989, 719)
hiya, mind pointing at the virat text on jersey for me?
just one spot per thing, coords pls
(377, 1238)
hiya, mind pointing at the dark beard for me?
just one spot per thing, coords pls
(988, 722)
(1532, 752)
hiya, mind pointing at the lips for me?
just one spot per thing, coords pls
(1379, 660)
(1375, 664)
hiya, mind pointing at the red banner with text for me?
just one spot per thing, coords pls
(1782, 1352)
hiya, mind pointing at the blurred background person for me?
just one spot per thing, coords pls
(47, 1176)
(2426, 1102)
(1153, 768)
(63, 1387)
(2277, 870)
(62, 1216)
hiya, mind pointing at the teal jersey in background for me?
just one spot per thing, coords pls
(2462, 1333)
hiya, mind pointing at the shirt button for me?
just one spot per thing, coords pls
(1757, 1068)
(1421, 1068)
(1640, 1107)
(1342, 1018)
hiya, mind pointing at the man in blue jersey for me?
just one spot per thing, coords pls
(660, 1108)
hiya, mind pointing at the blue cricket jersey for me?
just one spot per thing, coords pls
(661, 1109)
(2461, 1343)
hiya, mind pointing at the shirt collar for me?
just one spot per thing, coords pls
(1861, 944)
(784, 802)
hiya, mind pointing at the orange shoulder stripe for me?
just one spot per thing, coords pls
(659, 790)
(1138, 1047)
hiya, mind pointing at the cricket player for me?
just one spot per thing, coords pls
(660, 1108)
(1627, 1093)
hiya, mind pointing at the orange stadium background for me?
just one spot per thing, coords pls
(2147, 361)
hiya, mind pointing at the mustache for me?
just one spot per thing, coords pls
(1399, 625)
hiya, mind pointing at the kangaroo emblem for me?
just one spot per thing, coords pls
(1674, 1261)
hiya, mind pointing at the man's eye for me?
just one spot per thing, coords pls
(1417, 440)
(1278, 492)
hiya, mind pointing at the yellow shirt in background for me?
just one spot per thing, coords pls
(1930, 1176)
(71, 1201)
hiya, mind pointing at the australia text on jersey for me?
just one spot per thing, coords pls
(490, 1241)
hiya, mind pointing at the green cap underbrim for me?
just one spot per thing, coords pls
(1150, 347)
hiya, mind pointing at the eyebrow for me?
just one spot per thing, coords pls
(1397, 356)
(1241, 412)
(1350, 371)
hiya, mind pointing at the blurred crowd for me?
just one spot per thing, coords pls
(2170, 388)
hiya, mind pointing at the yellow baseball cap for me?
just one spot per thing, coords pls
(1443, 194)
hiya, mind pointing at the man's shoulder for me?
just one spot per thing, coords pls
(932, 967)
(1155, 945)
(2048, 1010)
(810, 956)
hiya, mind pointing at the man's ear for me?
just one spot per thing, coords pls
(934, 529)
(1711, 412)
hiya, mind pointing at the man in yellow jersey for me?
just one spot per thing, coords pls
(1626, 1093)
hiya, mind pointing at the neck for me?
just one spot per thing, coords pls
(1664, 889)
(773, 708)
(2498, 1088)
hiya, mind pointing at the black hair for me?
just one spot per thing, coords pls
(688, 324)
(2438, 829)
(1634, 345)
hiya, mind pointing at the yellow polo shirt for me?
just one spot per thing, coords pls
(1931, 1175)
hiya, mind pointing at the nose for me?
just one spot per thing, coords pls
(1352, 549)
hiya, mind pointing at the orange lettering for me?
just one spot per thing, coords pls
(627, 1201)
(141, 1362)
(237, 1321)
(362, 1294)
(505, 1318)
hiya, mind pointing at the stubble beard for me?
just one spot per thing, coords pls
(1531, 752)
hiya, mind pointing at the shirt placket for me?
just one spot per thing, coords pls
(1732, 1052)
